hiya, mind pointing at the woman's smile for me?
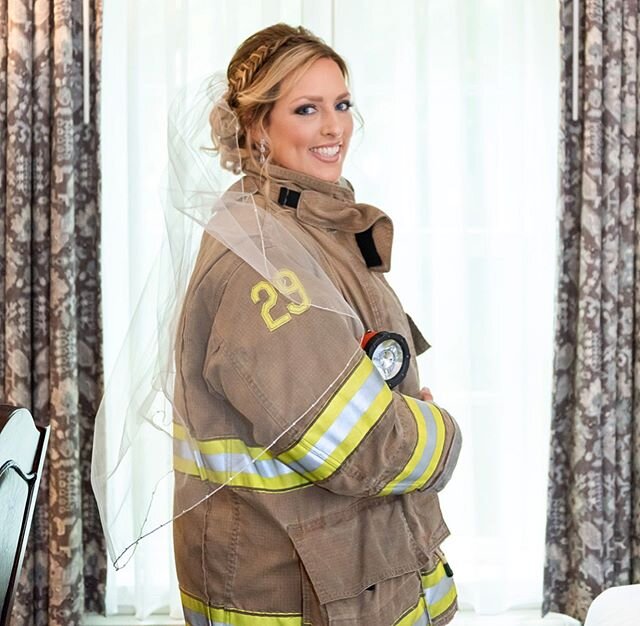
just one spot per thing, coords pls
(328, 154)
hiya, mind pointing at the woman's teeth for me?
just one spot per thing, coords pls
(327, 152)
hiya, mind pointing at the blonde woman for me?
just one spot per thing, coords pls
(337, 521)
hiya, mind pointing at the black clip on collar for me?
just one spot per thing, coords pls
(289, 197)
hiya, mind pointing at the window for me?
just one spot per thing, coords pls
(459, 147)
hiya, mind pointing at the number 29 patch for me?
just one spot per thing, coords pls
(286, 283)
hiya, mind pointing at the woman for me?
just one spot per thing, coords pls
(338, 522)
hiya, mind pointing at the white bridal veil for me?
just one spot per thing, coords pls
(203, 199)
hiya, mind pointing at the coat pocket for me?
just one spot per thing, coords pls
(362, 563)
(393, 601)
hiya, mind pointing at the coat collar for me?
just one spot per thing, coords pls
(331, 206)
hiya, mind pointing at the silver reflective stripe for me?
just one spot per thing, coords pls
(427, 453)
(347, 419)
(232, 462)
(437, 592)
(183, 450)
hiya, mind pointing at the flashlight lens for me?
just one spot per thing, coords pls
(388, 358)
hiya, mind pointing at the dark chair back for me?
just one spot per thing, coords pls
(23, 446)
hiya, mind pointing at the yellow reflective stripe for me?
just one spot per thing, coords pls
(179, 431)
(234, 617)
(342, 425)
(434, 577)
(439, 590)
(188, 467)
(416, 617)
(417, 451)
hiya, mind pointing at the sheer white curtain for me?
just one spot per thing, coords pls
(459, 147)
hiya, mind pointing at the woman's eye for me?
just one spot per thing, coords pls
(305, 109)
(345, 105)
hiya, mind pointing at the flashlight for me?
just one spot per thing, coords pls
(389, 353)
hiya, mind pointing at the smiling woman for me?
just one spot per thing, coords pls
(318, 482)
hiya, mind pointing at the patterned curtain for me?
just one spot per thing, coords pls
(593, 526)
(50, 327)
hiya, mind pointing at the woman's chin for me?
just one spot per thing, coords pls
(312, 166)
(329, 172)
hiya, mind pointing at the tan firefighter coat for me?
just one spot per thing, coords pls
(339, 522)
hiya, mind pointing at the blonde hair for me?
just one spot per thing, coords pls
(255, 76)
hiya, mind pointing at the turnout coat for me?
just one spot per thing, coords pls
(339, 522)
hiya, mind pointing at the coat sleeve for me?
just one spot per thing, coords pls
(298, 376)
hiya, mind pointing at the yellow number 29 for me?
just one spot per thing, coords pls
(288, 284)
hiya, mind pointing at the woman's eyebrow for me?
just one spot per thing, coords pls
(320, 98)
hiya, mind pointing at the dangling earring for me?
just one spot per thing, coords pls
(263, 148)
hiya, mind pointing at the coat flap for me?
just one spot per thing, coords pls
(347, 552)
(420, 343)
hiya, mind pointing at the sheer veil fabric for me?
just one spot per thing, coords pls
(200, 202)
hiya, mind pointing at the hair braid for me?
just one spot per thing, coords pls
(242, 76)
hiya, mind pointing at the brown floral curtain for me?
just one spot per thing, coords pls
(50, 327)
(593, 526)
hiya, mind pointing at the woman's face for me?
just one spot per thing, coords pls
(310, 126)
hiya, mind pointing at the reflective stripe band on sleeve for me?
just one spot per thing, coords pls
(439, 591)
(232, 462)
(198, 613)
(338, 430)
(335, 433)
(417, 616)
(427, 452)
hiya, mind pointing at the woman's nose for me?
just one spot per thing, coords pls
(331, 125)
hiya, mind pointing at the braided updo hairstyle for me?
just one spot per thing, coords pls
(255, 76)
